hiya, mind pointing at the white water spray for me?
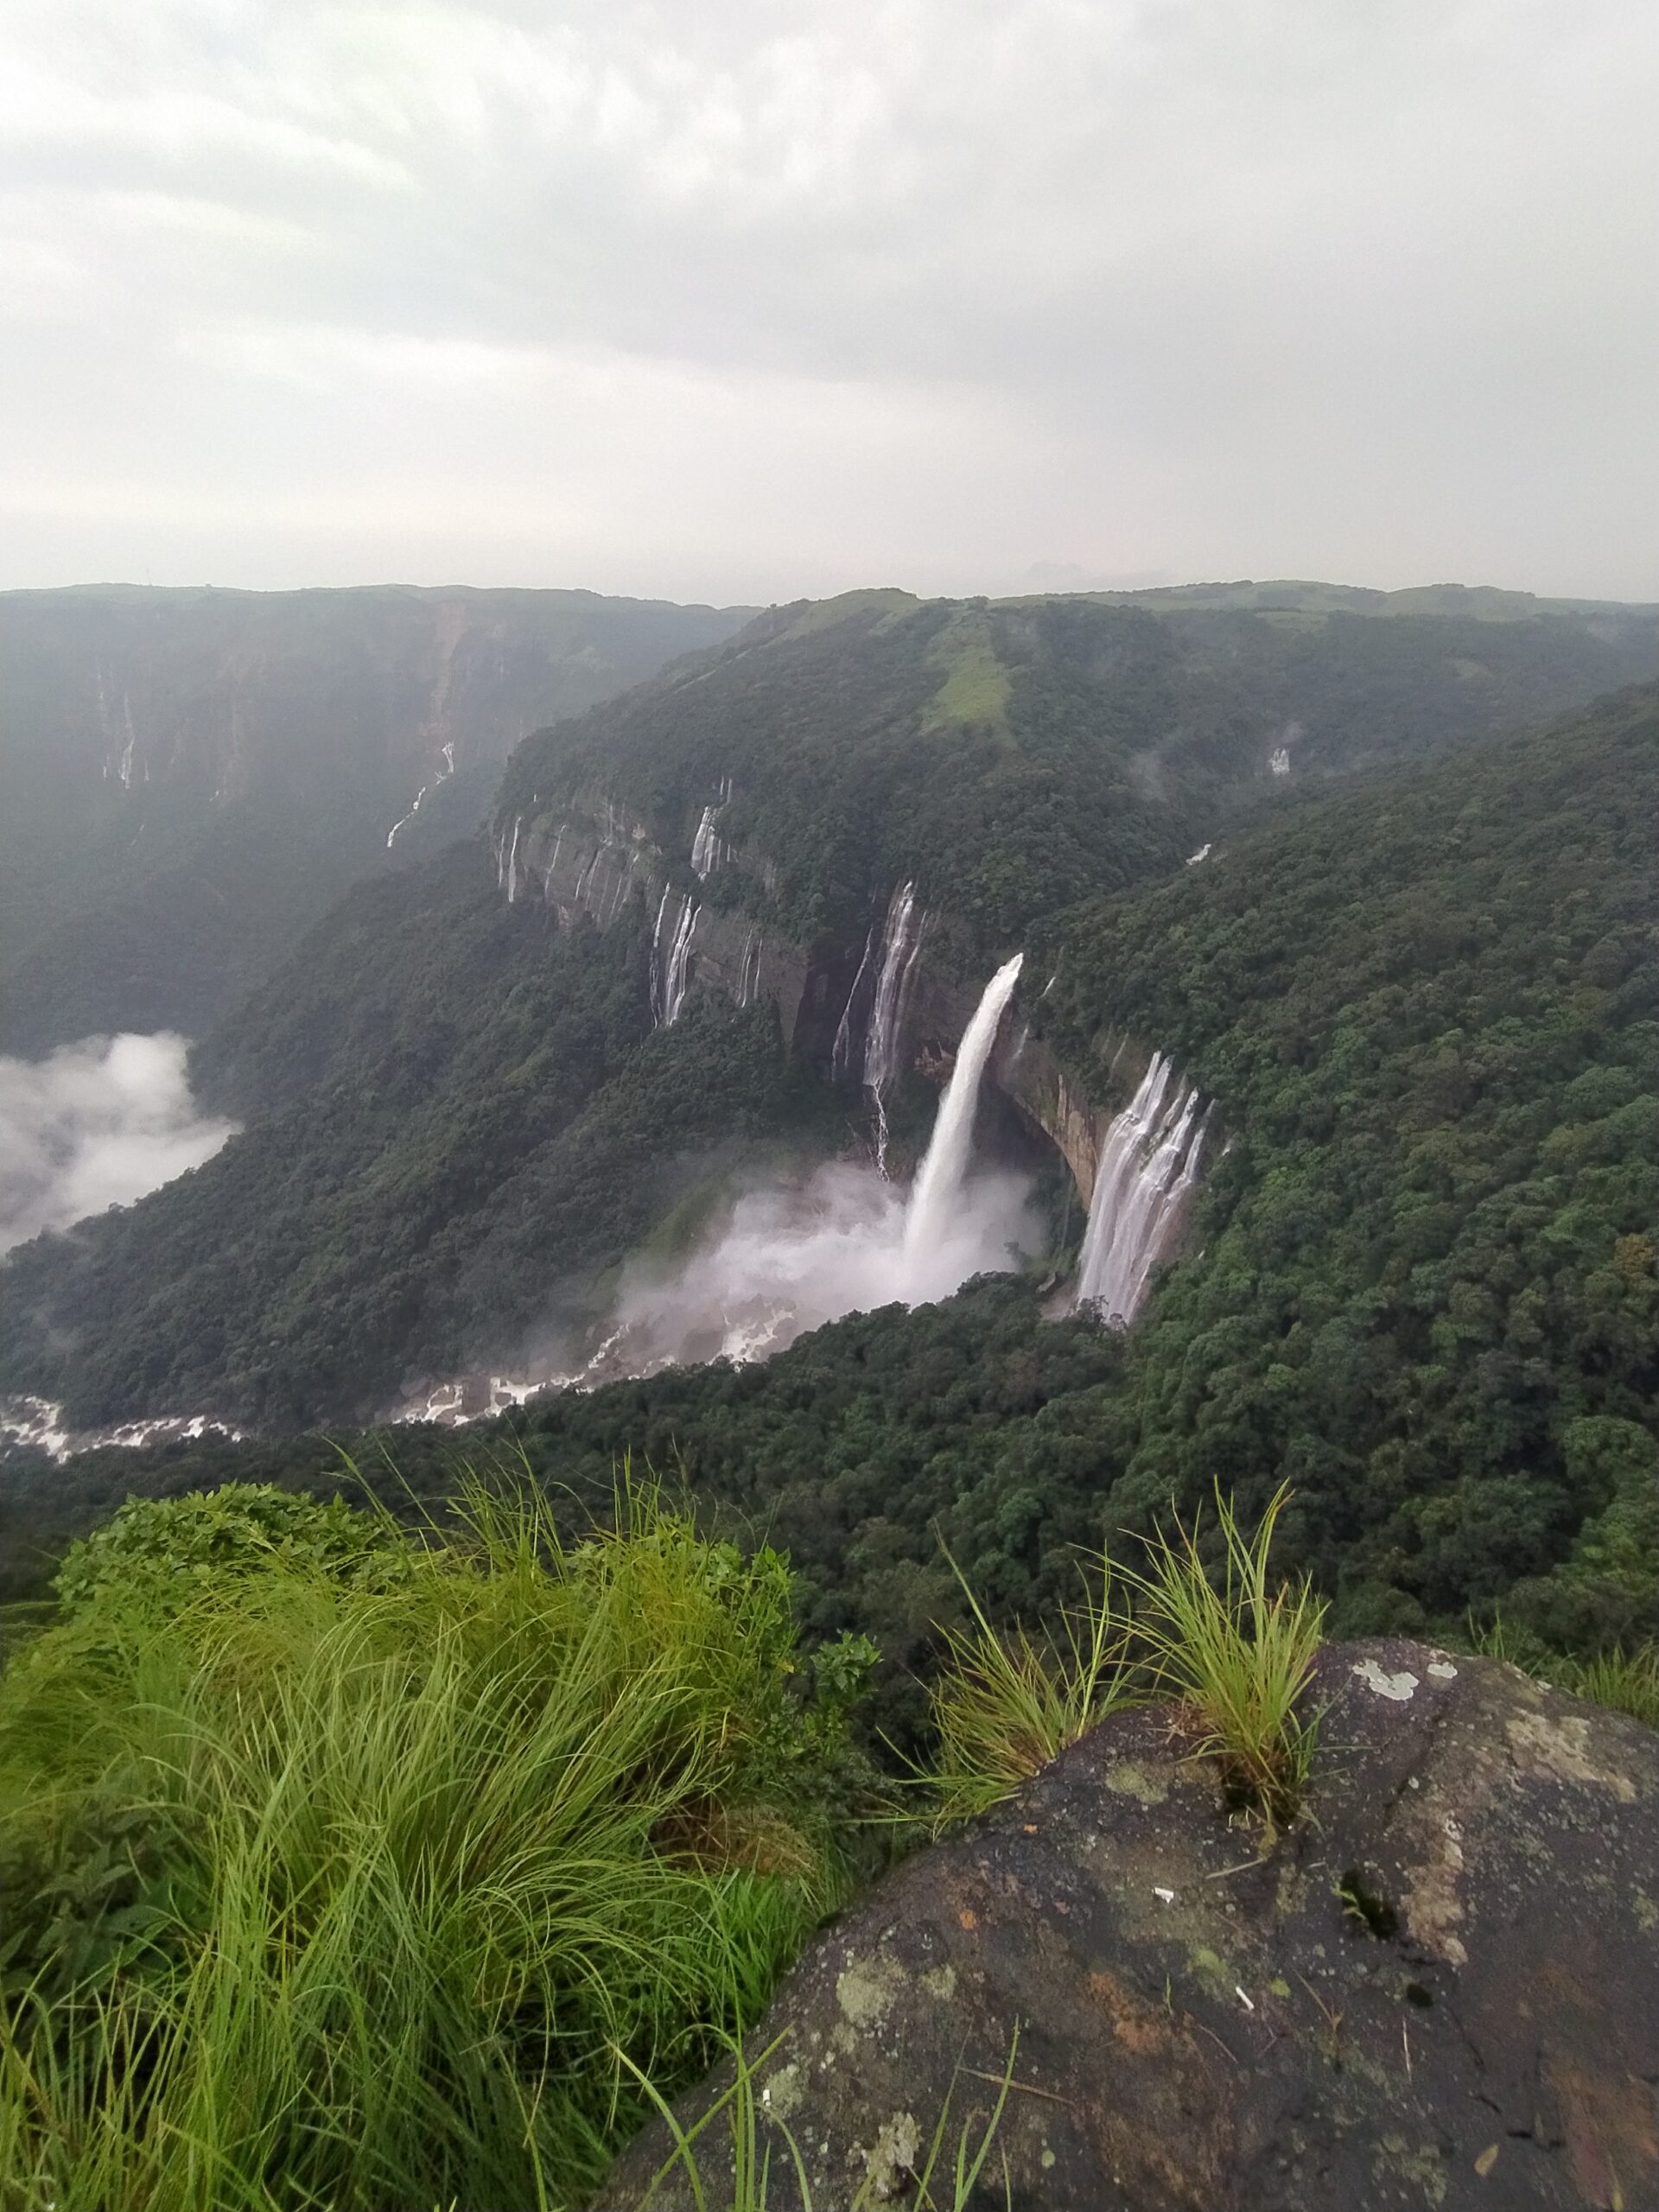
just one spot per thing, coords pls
(938, 1186)
(791, 1255)
(1148, 1164)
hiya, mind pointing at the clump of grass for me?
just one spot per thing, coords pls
(1238, 1654)
(328, 1890)
(1005, 1703)
(1624, 1681)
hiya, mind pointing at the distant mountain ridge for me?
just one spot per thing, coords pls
(191, 776)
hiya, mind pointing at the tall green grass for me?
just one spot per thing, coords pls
(1004, 1704)
(1237, 1651)
(944, 2174)
(1622, 1680)
(347, 1894)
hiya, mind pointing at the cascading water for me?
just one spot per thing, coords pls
(512, 865)
(938, 1194)
(706, 850)
(669, 976)
(901, 941)
(841, 1057)
(1148, 1164)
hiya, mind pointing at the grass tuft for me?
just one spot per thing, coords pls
(1239, 1656)
(1624, 1681)
(1004, 1704)
(946, 2174)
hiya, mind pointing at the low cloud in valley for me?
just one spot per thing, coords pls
(93, 1125)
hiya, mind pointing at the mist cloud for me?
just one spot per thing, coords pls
(93, 1125)
(787, 1258)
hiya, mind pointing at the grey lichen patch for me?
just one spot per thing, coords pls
(783, 2091)
(891, 2166)
(1558, 1747)
(1400, 1687)
(1129, 1778)
(1418, 2164)
(866, 1988)
(941, 1982)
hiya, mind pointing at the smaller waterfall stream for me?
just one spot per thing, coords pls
(1148, 1164)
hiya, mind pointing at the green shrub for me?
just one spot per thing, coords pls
(156, 1555)
(354, 1890)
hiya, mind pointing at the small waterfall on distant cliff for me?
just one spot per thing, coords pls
(900, 942)
(1148, 1164)
(938, 1186)
(706, 849)
(669, 976)
(841, 1057)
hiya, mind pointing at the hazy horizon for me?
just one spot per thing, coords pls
(760, 301)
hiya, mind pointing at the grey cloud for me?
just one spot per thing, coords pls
(1192, 286)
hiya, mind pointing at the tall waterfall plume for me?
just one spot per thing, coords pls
(1148, 1164)
(937, 1193)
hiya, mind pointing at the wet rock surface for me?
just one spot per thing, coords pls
(1440, 1987)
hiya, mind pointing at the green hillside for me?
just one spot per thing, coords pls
(459, 1123)
(1421, 1282)
(1014, 756)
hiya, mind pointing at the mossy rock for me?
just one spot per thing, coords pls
(1439, 1988)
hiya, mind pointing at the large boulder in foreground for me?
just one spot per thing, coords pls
(1439, 1988)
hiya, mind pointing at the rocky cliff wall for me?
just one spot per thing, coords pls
(589, 857)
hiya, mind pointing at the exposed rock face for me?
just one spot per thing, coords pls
(1440, 1988)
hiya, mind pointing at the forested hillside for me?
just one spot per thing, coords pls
(1013, 756)
(1421, 1282)
(461, 1119)
(192, 777)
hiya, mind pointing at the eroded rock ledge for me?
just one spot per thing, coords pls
(1440, 1988)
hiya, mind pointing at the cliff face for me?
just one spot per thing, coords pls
(1440, 1987)
(587, 857)
(192, 777)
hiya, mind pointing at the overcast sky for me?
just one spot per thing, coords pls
(742, 299)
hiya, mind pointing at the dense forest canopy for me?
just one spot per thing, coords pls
(1421, 1282)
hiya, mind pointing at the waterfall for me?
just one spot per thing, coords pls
(749, 980)
(657, 959)
(1148, 1164)
(900, 944)
(936, 1199)
(668, 977)
(513, 860)
(841, 1058)
(706, 851)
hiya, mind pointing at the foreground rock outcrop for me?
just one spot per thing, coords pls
(1440, 1988)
